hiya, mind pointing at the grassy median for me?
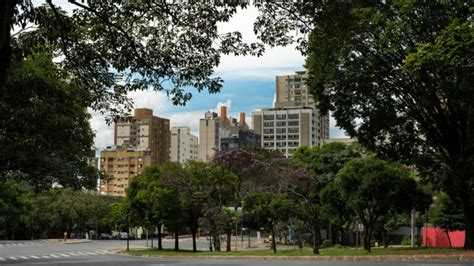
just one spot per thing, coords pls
(297, 252)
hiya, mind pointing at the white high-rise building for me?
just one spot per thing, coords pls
(184, 145)
(294, 121)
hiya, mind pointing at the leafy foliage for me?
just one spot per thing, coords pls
(45, 133)
(148, 45)
(371, 188)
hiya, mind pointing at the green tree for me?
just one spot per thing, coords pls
(266, 210)
(218, 185)
(371, 188)
(14, 202)
(45, 132)
(401, 70)
(447, 214)
(396, 75)
(323, 163)
(169, 195)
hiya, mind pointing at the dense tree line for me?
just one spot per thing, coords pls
(396, 74)
(51, 213)
(333, 187)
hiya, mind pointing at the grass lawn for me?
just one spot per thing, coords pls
(297, 252)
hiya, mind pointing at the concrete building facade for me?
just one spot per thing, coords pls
(184, 145)
(292, 91)
(145, 131)
(139, 141)
(214, 130)
(118, 167)
(294, 120)
(287, 128)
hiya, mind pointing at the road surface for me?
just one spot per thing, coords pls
(43, 252)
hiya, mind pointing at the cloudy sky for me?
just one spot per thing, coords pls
(249, 85)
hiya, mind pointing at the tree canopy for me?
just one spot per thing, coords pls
(397, 75)
(45, 133)
(371, 188)
(110, 48)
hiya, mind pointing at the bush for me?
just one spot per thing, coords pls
(406, 241)
(327, 243)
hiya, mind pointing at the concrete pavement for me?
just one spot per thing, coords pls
(45, 252)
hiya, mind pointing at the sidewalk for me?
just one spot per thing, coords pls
(451, 258)
(69, 241)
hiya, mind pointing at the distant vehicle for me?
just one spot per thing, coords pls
(106, 236)
(123, 235)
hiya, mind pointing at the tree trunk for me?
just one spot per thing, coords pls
(176, 239)
(273, 239)
(366, 237)
(193, 233)
(229, 243)
(369, 238)
(160, 242)
(6, 14)
(315, 232)
(384, 238)
(468, 207)
(217, 241)
(449, 238)
(128, 238)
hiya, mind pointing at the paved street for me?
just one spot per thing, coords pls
(43, 252)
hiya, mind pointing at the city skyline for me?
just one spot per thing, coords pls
(249, 84)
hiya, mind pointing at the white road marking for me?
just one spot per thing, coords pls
(91, 253)
(13, 258)
(23, 257)
(55, 256)
(64, 255)
(34, 257)
(47, 257)
(2, 259)
(74, 254)
(82, 253)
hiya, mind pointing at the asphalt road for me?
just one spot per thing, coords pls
(102, 253)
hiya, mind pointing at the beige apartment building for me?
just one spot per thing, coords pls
(140, 140)
(184, 145)
(209, 130)
(119, 166)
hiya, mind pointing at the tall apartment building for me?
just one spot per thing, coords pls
(287, 128)
(294, 120)
(184, 145)
(143, 130)
(140, 140)
(209, 130)
(292, 91)
(216, 130)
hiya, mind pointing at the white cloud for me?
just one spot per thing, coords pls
(275, 61)
(157, 101)
(186, 119)
(104, 134)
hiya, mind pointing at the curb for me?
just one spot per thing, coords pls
(323, 258)
(76, 242)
